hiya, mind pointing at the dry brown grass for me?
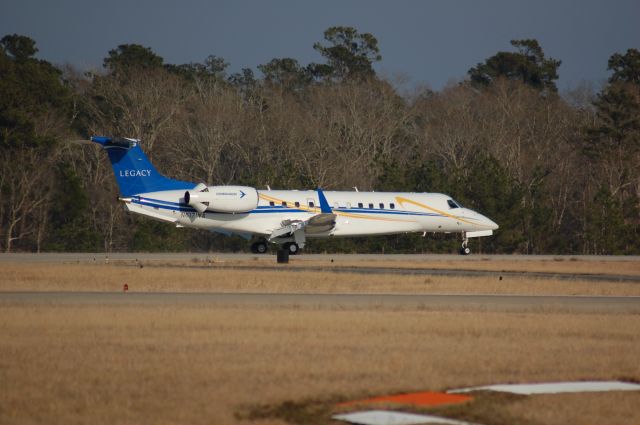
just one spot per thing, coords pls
(100, 277)
(202, 365)
(611, 408)
(194, 364)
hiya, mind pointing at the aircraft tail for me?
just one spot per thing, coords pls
(134, 172)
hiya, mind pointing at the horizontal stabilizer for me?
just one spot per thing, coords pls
(140, 210)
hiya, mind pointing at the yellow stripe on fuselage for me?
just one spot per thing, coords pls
(402, 200)
(340, 213)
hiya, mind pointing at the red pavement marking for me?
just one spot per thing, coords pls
(427, 398)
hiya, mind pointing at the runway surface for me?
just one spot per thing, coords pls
(334, 301)
(599, 277)
(178, 256)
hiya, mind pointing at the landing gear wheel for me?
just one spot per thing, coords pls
(259, 248)
(292, 247)
(465, 250)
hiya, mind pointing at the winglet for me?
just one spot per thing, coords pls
(324, 205)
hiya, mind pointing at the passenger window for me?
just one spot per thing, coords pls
(360, 205)
(381, 206)
(392, 206)
(297, 204)
(271, 203)
(371, 206)
(284, 203)
(311, 204)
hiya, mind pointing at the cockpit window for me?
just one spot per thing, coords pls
(453, 204)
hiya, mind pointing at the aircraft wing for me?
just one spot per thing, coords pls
(319, 223)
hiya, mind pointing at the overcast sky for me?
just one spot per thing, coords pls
(430, 42)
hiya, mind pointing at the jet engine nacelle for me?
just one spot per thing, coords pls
(223, 199)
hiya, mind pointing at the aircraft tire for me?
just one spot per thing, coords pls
(292, 247)
(259, 248)
(465, 250)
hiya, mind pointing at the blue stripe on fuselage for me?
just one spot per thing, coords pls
(265, 209)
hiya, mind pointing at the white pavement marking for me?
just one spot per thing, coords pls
(383, 417)
(555, 387)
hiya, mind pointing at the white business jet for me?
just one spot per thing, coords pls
(283, 217)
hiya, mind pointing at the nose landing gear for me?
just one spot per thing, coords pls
(464, 249)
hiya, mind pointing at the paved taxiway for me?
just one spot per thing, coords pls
(337, 301)
(599, 277)
(186, 256)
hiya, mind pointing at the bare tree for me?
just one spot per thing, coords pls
(26, 174)
(210, 123)
(345, 132)
(142, 105)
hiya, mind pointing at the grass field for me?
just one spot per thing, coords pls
(200, 365)
(153, 277)
(165, 364)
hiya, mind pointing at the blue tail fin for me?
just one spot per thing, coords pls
(134, 173)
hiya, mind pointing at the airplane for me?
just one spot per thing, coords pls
(285, 218)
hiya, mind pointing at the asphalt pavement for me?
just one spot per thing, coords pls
(332, 301)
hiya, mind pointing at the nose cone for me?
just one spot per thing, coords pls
(486, 222)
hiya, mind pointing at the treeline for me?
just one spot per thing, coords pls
(559, 173)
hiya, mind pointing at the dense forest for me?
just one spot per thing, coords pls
(559, 172)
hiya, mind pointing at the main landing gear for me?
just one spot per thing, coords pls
(292, 247)
(259, 247)
(284, 250)
(464, 249)
(289, 248)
